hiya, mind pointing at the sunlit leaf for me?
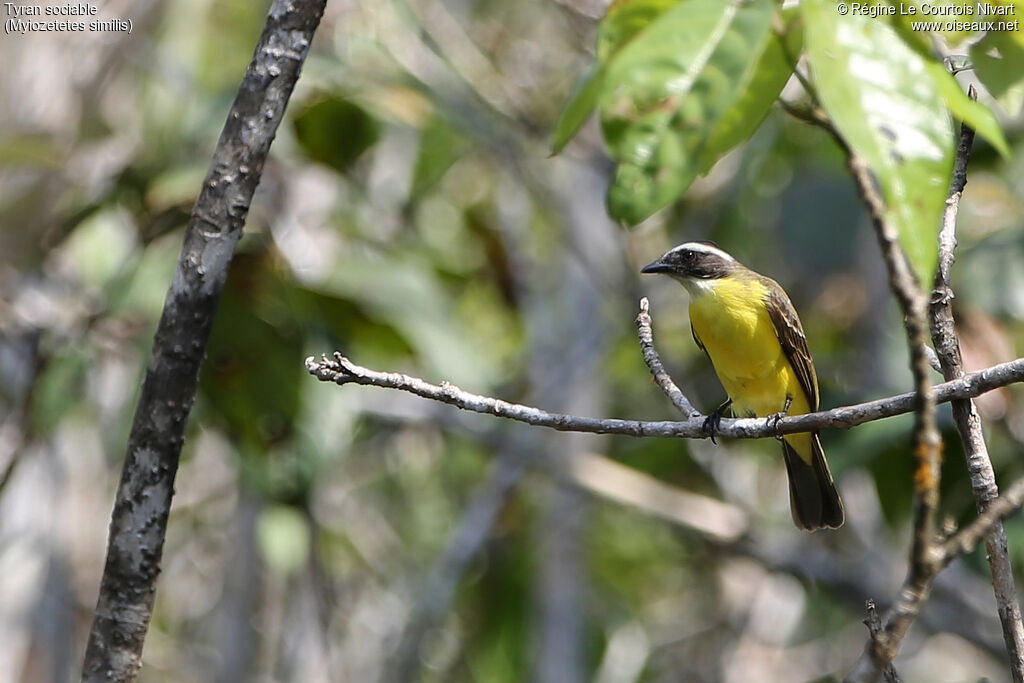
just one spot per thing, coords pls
(440, 147)
(973, 113)
(578, 109)
(624, 21)
(921, 22)
(408, 295)
(761, 87)
(283, 535)
(999, 62)
(879, 95)
(700, 79)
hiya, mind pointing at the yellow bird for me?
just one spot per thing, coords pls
(747, 325)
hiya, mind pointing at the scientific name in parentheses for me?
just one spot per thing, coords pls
(17, 22)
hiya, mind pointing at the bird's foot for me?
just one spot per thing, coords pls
(774, 419)
(713, 420)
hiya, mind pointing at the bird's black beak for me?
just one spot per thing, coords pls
(658, 266)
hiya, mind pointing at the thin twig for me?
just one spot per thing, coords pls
(965, 415)
(874, 624)
(341, 370)
(965, 540)
(653, 360)
(813, 115)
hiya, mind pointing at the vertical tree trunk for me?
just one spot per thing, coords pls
(143, 501)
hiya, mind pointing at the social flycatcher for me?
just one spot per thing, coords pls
(747, 325)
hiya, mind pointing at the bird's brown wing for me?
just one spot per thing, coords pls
(700, 344)
(794, 343)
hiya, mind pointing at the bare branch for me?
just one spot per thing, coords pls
(967, 538)
(874, 624)
(968, 422)
(341, 370)
(653, 360)
(927, 442)
(139, 520)
(811, 114)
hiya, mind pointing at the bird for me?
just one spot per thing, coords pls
(748, 327)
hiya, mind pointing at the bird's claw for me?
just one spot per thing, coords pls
(712, 421)
(774, 419)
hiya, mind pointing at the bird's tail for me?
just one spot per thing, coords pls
(813, 498)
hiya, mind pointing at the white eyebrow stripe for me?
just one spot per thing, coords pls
(705, 248)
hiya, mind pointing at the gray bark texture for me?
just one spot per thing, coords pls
(142, 504)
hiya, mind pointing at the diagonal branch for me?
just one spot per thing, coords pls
(965, 540)
(653, 361)
(341, 370)
(882, 647)
(968, 422)
(139, 520)
(874, 624)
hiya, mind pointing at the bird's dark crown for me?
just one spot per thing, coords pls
(703, 260)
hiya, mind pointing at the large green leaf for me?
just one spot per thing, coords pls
(440, 147)
(999, 62)
(761, 85)
(921, 22)
(973, 113)
(882, 100)
(693, 83)
(577, 110)
(623, 21)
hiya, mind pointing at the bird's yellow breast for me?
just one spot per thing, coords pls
(731, 320)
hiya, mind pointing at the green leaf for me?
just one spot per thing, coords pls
(335, 131)
(999, 62)
(624, 20)
(59, 389)
(762, 85)
(577, 110)
(909, 16)
(410, 296)
(440, 147)
(283, 535)
(887, 108)
(692, 84)
(973, 113)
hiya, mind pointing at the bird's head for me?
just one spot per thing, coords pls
(695, 264)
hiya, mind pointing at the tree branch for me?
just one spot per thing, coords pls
(874, 624)
(883, 647)
(965, 415)
(341, 370)
(139, 520)
(653, 361)
(965, 540)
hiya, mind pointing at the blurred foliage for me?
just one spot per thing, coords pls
(410, 216)
(335, 131)
(679, 84)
